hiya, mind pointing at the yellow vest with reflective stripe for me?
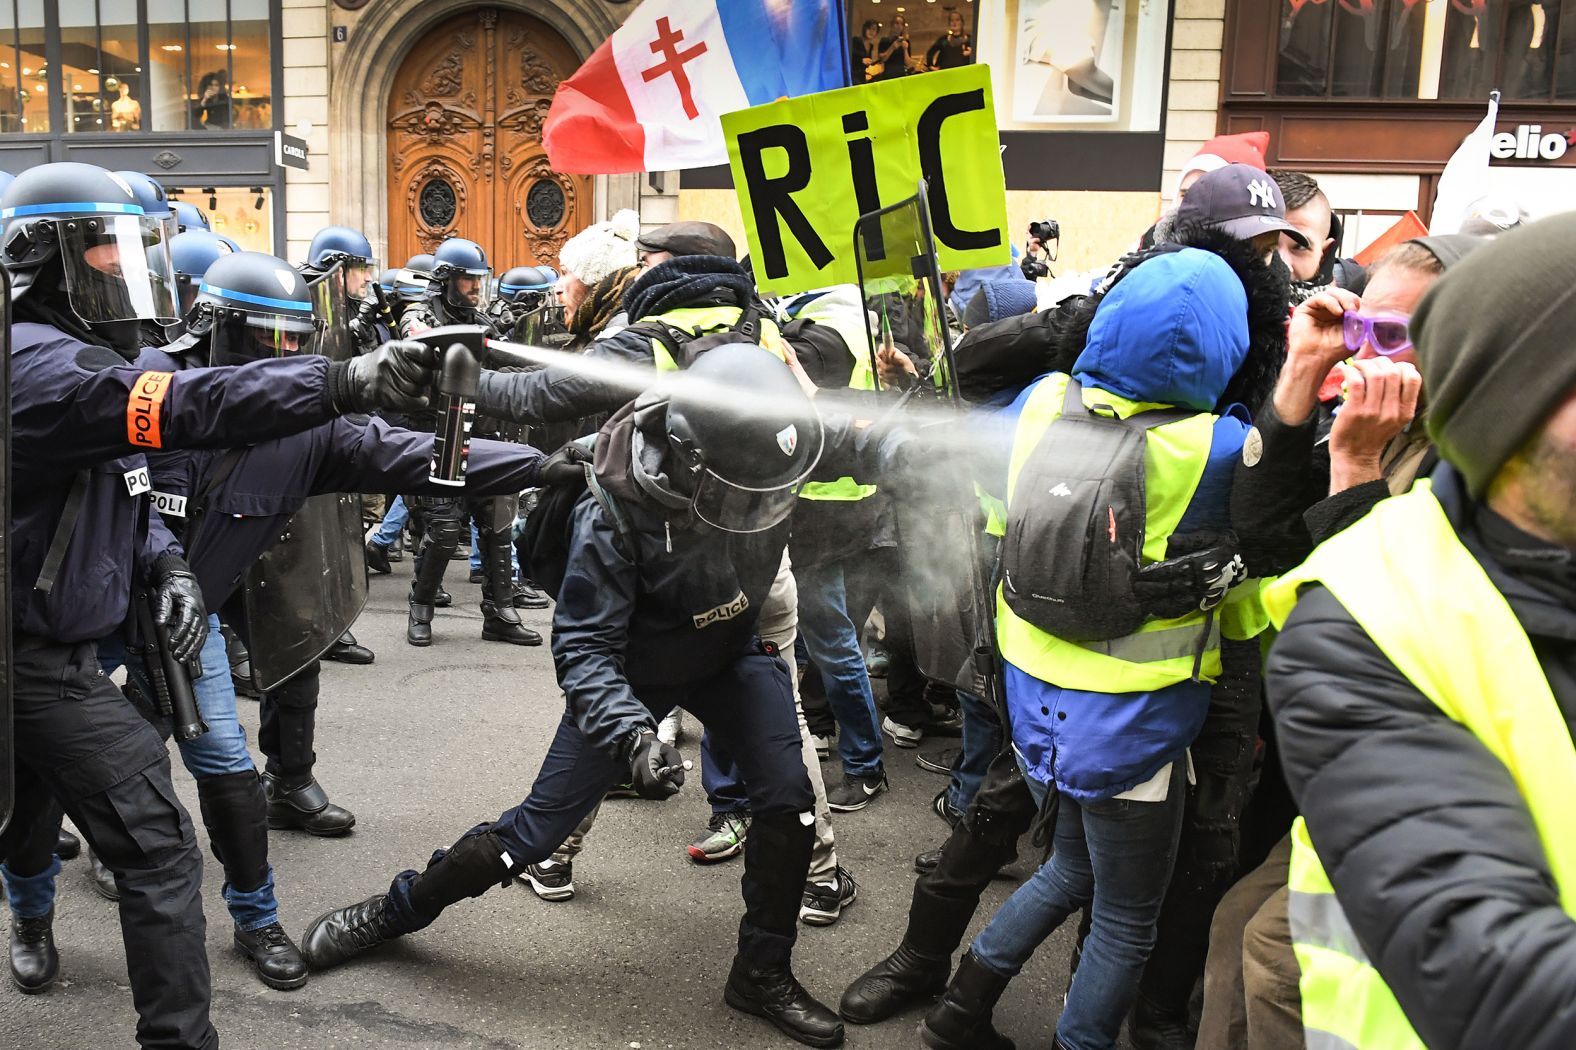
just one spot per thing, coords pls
(1161, 652)
(845, 489)
(1405, 577)
(707, 320)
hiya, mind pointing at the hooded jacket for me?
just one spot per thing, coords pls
(1172, 331)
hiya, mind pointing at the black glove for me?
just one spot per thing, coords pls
(1200, 569)
(565, 465)
(656, 769)
(178, 606)
(397, 376)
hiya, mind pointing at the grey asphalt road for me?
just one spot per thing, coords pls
(424, 744)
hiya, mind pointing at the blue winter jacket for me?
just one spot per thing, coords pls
(1172, 332)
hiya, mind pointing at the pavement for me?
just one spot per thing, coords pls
(422, 745)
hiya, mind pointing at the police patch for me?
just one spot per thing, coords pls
(286, 279)
(725, 611)
(788, 439)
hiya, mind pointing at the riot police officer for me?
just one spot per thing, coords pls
(352, 252)
(533, 314)
(192, 253)
(88, 268)
(456, 294)
(189, 217)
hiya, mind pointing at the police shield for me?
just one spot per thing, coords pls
(334, 308)
(6, 778)
(944, 572)
(309, 587)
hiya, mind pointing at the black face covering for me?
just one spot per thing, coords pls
(46, 303)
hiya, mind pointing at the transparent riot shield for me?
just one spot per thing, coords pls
(944, 567)
(6, 750)
(334, 308)
(309, 587)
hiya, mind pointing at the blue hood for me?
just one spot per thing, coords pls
(1173, 332)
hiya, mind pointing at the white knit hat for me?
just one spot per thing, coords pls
(601, 248)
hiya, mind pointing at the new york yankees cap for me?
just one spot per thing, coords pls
(1241, 200)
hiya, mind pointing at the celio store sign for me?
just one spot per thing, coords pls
(1531, 142)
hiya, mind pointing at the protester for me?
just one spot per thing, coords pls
(592, 254)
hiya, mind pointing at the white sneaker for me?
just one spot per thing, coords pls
(902, 735)
(823, 746)
(671, 728)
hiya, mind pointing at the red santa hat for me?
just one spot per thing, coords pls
(1248, 147)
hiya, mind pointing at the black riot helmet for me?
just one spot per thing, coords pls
(459, 274)
(76, 236)
(252, 306)
(732, 438)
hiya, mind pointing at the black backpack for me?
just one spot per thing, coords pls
(684, 345)
(543, 545)
(1005, 354)
(1075, 528)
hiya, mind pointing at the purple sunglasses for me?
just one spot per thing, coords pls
(1389, 333)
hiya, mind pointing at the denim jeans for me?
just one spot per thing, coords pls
(832, 639)
(1115, 856)
(982, 741)
(393, 523)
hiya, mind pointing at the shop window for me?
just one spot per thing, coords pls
(100, 75)
(245, 214)
(10, 105)
(252, 92)
(168, 79)
(209, 64)
(888, 40)
(33, 71)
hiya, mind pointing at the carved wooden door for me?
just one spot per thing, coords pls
(465, 142)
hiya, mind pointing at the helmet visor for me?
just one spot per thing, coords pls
(239, 337)
(360, 274)
(471, 288)
(734, 508)
(118, 268)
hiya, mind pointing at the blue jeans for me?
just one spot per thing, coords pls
(220, 751)
(982, 742)
(1115, 856)
(832, 639)
(476, 551)
(393, 523)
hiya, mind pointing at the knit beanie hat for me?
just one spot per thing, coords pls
(601, 248)
(1248, 147)
(1000, 299)
(1493, 344)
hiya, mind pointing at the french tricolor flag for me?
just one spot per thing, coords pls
(650, 97)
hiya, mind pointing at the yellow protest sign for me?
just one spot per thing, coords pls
(806, 168)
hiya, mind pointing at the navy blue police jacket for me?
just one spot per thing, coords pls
(245, 511)
(77, 407)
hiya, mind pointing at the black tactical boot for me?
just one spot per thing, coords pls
(345, 933)
(418, 630)
(278, 961)
(526, 596)
(349, 651)
(34, 962)
(961, 1020)
(67, 845)
(905, 978)
(305, 807)
(442, 600)
(378, 558)
(502, 624)
(772, 992)
(103, 879)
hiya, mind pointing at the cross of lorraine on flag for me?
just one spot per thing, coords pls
(650, 97)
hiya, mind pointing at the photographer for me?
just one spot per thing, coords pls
(1044, 236)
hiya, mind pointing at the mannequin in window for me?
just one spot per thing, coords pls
(213, 101)
(125, 113)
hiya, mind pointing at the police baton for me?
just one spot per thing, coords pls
(171, 679)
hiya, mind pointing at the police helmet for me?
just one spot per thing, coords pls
(341, 244)
(228, 242)
(252, 306)
(193, 252)
(387, 279)
(189, 217)
(79, 229)
(421, 262)
(740, 438)
(151, 196)
(409, 285)
(526, 283)
(457, 259)
(6, 178)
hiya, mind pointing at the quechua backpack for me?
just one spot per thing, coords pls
(1075, 524)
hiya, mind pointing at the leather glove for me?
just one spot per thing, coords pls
(178, 607)
(398, 376)
(1200, 569)
(656, 769)
(565, 465)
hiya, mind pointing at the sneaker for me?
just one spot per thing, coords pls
(823, 902)
(671, 729)
(941, 761)
(942, 806)
(724, 837)
(902, 735)
(823, 746)
(550, 880)
(855, 793)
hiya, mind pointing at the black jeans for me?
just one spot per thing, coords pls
(82, 745)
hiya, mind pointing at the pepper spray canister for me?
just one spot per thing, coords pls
(451, 445)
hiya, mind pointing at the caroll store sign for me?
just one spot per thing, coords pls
(1531, 142)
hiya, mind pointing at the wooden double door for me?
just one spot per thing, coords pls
(465, 142)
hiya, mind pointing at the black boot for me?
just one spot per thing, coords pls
(426, 586)
(103, 879)
(442, 600)
(905, 978)
(278, 961)
(305, 807)
(345, 933)
(349, 651)
(772, 992)
(961, 1020)
(527, 596)
(418, 629)
(67, 845)
(501, 623)
(1153, 1027)
(378, 558)
(34, 962)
